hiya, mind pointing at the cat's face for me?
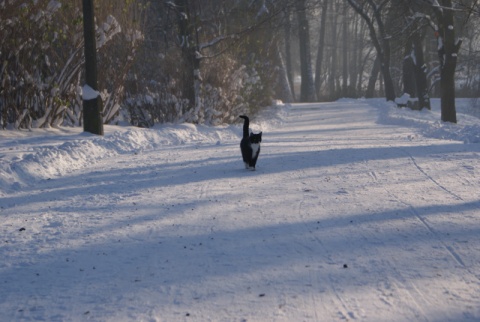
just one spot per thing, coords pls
(255, 138)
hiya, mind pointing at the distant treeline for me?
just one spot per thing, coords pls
(208, 61)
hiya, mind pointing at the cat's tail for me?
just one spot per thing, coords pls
(246, 124)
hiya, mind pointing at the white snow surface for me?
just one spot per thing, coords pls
(357, 211)
(89, 93)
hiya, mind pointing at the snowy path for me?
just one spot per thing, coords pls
(344, 220)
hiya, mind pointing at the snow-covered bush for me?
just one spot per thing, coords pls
(32, 92)
(41, 63)
(230, 90)
(142, 74)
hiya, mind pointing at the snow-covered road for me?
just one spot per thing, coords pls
(345, 219)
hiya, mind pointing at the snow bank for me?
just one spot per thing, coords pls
(27, 157)
(428, 123)
(44, 159)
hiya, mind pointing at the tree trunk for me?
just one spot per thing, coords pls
(369, 93)
(380, 42)
(385, 68)
(307, 88)
(345, 52)
(288, 53)
(355, 58)
(420, 70)
(408, 73)
(447, 85)
(447, 52)
(92, 107)
(333, 65)
(191, 62)
(320, 50)
(283, 86)
(362, 59)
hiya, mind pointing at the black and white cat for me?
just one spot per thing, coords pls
(250, 145)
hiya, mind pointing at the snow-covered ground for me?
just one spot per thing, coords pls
(357, 211)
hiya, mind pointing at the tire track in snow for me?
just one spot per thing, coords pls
(337, 303)
(341, 308)
(449, 249)
(396, 287)
(429, 177)
(400, 285)
(414, 211)
(300, 207)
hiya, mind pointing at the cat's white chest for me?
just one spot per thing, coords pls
(255, 148)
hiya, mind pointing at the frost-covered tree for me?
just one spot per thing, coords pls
(448, 47)
(188, 21)
(42, 55)
(34, 87)
(414, 66)
(208, 61)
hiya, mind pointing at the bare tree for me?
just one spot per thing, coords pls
(448, 48)
(371, 12)
(332, 75)
(288, 51)
(369, 93)
(414, 67)
(320, 48)
(307, 88)
(189, 43)
(345, 50)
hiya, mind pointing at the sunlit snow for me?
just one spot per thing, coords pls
(357, 210)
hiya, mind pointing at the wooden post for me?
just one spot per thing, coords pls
(92, 106)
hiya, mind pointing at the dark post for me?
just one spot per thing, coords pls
(92, 107)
